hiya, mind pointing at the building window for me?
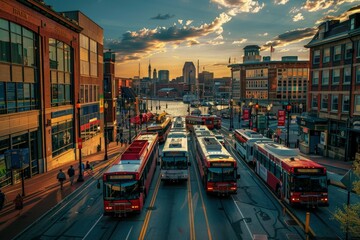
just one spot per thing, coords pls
(314, 101)
(60, 72)
(357, 104)
(84, 55)
(93, 58)
(358, 49)
(335, 76)
(348, 50)
(324, 101)
(316, 57)
(326, 57)
(358, 74)
(325, 77)
(346, 103)
(347, 75)
(315, 80)
(334, 103)
(62, 137)
(337, 53)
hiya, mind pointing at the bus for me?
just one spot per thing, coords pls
(294, 179)
(162, 126)
(178, 124)
(127, 182)
(244, 143)
(217, 122)
(174, 158)
(204, 119)
(217, 168)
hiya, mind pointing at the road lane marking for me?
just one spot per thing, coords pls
(148, 214)
(242, 217)
(93, 226)
(191, 211)
(202, 202)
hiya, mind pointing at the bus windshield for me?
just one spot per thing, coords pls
(221, 174)
(174, 163)
(121, 190)
(306, 183)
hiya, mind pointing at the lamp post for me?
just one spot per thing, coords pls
(250, 113)
(105, 130)
(288, 110)
(256, 116)
(268, 108)
(80, 178)
(301, 108)
(129, 122)
(231, 115)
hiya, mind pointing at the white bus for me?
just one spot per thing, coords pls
(178, 124)
(245, 140)
(174, 159)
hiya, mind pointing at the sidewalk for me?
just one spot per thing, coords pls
(42, 192)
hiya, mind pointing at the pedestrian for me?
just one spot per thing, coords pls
(18, 201)
(89, 168)
(61, 178)
(121, 141)
(117, 141)
(71, 174)
(2, 199)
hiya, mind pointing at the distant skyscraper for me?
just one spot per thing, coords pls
(149, 71)
(155, 74)
(164, 76)
(189, 73)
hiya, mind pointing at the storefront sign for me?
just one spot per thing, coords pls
(246, 113)
(281, 117)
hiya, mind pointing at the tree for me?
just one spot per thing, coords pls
(349, 217)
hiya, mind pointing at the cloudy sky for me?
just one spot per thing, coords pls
(167, 33)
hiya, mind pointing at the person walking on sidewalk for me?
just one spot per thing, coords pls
(61, 178)
(2, 199)
(19, 202)
(71, 174)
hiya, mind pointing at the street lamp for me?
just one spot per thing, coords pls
(268, 108)
(256, 112)
(80, 178)
(250, 113)
(129, 122)
(231, 115)
(105, 130)
(288, 110)
(301, 108)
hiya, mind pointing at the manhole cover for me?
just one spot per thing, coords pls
(291, 222)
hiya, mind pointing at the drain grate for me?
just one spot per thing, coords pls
(291, 222)
(293, 236)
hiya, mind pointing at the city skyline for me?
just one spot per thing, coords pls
(167, 34)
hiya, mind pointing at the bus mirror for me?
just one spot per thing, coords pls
(237, 176)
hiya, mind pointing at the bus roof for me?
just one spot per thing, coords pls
(213, 149)
(135, 155)
(288, 157)
(175, 144)
(157, 126)
(248, 133)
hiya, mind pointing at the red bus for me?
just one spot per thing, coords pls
(127, 182)
(210, 121)
(244, 143)
(295, 179)
(162, 126)
(218, 169)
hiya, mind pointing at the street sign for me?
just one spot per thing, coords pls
(79, 143)
(348, 179)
